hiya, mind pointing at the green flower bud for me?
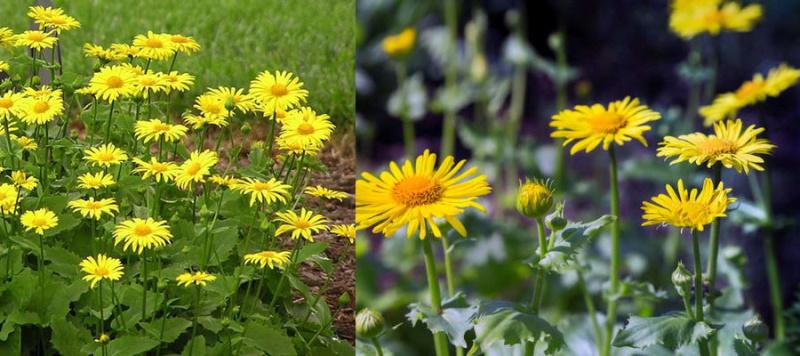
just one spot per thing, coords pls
(162, 284)
(556, 221)
(682, 279)
(246, 128)
(225, 321)
(755, 330)
(534, 198)
(369, 324)
(344, 299)
(229, 104)
(555, 41)
(35, 80)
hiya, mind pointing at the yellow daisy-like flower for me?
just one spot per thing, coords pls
(24, 142)
(39, 220)
(590, 126)
(94, 208)
(272, 259)
(176, 81)
(22, 180)
(687, 209)
(306, 129)
(348, 231)
(233, 98)
(112, 83)
(153, 130)
(43, 109)
(148, 83)
(304, 225)
(11, 105)
(7, 38)
(35, 39)
(52, 18)
(4, 67)
(12, 127)
(322, 192)
(98, 180)
(224, 181)
(183, 44)
(689, 18)
(197, 278)
(160, 171)
(296, 148)
(211, 107)
(401, 44)
(758, 89)
(139, 234)
(416, 195)
(100, 268)
(8, 198)
(105, 155)
(263, 191)
(728, 146)
(198, 122)
(195, 169)
(44, 92)
(154, 46)
(278, 91)
(99, 52)
(125, 50)
(103, 339)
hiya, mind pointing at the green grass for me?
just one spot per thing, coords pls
(240, 38)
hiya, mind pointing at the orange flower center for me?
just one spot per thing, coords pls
(105, 157)
(179, 39)
(193, 168)
(305, 128)
(607, 122)
(101, 271)
(114, 82)
(213, 108)
(41, 107)
(417, 190)
(142, 230)
(153, 43)
(302, 224)
(714, 18)
(748, 89)
(278, 89)
(6, 103)
(93, 205)
(715, 146)
(39, 221)
(36, 36)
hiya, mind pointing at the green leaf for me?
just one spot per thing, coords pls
(310, 250)
(455, 319)
(671, 331)
(62, 261)
(129, 345)
(569, 243)
(173, 328)
(269, 339)
(63, 296)
(67, 338)
(513, 326)
(195, 347)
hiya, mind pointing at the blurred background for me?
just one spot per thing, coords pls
(516, 64)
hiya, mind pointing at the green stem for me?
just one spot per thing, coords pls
(144, 285)
(449, 126)
(774, 287)
(268, 153)
(698, 288)
(41, 269)
(8, 143)
(713, 246)
(409, 138)
(590, 308)
(611, 314)
(439, 338)
(102, 316)
(377, 345)
(538, 293)
(694, 85)
(117, 306)
(288, 269)
(194, 318)
(108, 124)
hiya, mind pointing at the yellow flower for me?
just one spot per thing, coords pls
(125, 50)
(306, 129)
(689, 18)
(95, 181)
(39, 220)
(233, 98)
(35, 39)
(7, 38)
(12, 127)
(728, 146)
(154, 46)
(11, 105)
(297, 149)
(196, 278)
(211, 107)
(25, 142)
(96, 51)
(401, 44)
(416, 195)
(105, 155)
(94, 209)
(4, 67)
(263, 191)
(100, 268)
(758, 89)
(160, 171)
(304, 225)
(52, 18)
(148, 83)
(103, 339)
(8, 198)
(224, 181)
(112, 83)
(348, 231)
(269, 258)
(198, 122)
(195, 169)
(177, 81)
(43, 109)
(139, 234)
(184, 44)
(322, 192)
(687, 209)
(44, 92)
(534, 198)
(592, 125)
(21, 179)
(153, 130)
(279, 91)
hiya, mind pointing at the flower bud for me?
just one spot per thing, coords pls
(555, 41)
(682, 279)
(225, 321)
(161, 285)
(556, 221)
(35, 81)
(755, 330)
(344, 299)
(369, 324)
(246, 128)
(229, 104)
(534, 198)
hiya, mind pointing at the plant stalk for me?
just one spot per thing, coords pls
(611, 314)
(439, 338)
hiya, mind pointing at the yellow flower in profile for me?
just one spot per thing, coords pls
(43, 92)
(183, 44)
(148, 83)
(211, 107)
(39, 220)
(11, 105)
(348, 231)
(41, 110)
(689, 18)
(322, 192)
(267, 192)
(96, 51)
(224, 181)
(297, 149)
(417, 195)
(24, 142)
(155, 129)
(95, 181)
(306, 129)
(139, 234)
(269, 258)
(197, 278)
(103, 339)
(590, 126)
(8, 198)
(22, 180)
(758, 89)
(100, 268)
(12, 127)
(112, 83)
(198, 122)
(125, 50)
(195, 169)
(154, 46)
(278, 91)
(105, 155)
(687, 209)
(728, 146)
(6, 37)
(52, 18)
(233, 98)
(304, 225)
(4, 67)
(401, 44)
(534, 198)
(176, 81)
(160, 171)
(94, 208)
(37, 40)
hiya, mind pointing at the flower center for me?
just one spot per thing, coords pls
(38, 221)
(36, 36)
(148, 82)
(179, 39)
(41, 107)
(278, 89)
(213, 108)
(417, 190)
(93, 205)
(689, 214)
(162, 127)
(302, 224)
(105, 157)
(714, 17)
(101, 271)
(57, 21)
(193, 169)
(715, 146)
(748, 89)
(261, 186)
(6, 103)
(159, 167)
(607, 122)
(142, 230)
(114, 82)
(305, 128)
(153, 43)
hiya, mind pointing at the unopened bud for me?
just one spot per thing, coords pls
(534, 198)
(755, 330)
(246, 128)
(682, 279)
(556, 221)
(369, 324)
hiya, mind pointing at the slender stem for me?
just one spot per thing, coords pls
(561, 104)
(108, 124)
(268, 153)
(194, 318)
(377, 345)
(117, 306)
(590, 308)
(698, 288)
(102, 316)
(611, 314)
(693, 102)
(295, 252)
(409, 138)
(449, 126)
(8, 142)
(144, 285)
(530, 347)
(439, 338)
(713, 246)
(41, 269)
(774, 287)
(687, 304)
(448, 267)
